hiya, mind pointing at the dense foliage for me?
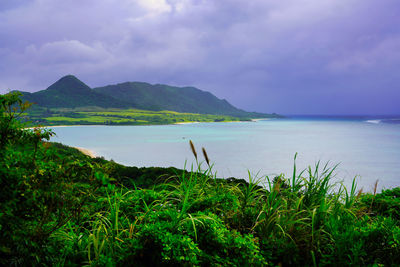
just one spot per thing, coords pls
(59, 207)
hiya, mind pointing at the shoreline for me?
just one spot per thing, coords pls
(60, 126)
(262, 119)
(175, 123)
(185, 122)
(86, 151)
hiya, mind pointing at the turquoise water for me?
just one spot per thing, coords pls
(370, 150)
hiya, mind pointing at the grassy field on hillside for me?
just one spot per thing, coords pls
(98, 116)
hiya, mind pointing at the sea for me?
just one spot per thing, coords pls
(364, 148)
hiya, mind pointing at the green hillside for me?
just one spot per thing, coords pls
(164, 97)
(70, 92)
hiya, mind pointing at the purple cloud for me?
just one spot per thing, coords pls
(295, 56)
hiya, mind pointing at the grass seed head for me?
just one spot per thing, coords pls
(193, 149)
(359, 193)
(205, 156)
(375, 187)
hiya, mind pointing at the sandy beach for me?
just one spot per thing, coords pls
(188, 122)
(262, 119)
(87, 152)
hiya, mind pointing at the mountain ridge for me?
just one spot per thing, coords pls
(180, 99)
(70, 92)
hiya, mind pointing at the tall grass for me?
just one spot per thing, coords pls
(297, 221)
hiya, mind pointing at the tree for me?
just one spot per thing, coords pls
(11, 109)
(39, 192)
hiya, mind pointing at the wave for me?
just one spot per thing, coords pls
(392, 121)
(374, 121)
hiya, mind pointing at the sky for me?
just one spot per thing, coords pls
(283, 56)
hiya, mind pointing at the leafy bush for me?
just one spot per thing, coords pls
(386, 203)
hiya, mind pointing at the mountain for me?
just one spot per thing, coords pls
(70, 92)
(164, 97)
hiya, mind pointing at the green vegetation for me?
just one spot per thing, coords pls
(59, 207)
(181, 99)
(69, 92)
(99, 116)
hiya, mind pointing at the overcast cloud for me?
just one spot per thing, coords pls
(287, 56)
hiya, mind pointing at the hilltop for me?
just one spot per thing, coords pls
(70, 92)
(165, 97)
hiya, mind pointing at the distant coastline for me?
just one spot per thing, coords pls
(148, 124)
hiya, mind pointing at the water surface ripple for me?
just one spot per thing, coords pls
(369, 150)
